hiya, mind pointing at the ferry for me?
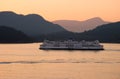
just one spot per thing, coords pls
(71, 45)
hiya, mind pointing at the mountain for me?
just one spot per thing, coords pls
(21, 28)
(105, 33)
(10, 35)
(108, 33)
(32, 25)
(80, 26)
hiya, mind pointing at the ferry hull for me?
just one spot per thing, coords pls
(71, 48)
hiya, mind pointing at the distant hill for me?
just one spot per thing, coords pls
(109, 33)
(81, 26)
(10, 35)
(33, 25)
(105, 33)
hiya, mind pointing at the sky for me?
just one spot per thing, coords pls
(108, 10)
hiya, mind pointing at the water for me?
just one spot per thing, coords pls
(26, 61)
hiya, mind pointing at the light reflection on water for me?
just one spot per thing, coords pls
(26, 61)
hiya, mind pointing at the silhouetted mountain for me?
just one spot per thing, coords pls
(10, 35)
(105, 33)
(39, 29)
(81, 26)
(33, 25)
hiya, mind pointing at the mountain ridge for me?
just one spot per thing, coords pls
(81, 26)
(32, 24)
(108, 33)
(37, 28)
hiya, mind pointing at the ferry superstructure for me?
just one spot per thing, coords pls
(71, 45)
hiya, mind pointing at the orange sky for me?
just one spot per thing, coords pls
(108, 10)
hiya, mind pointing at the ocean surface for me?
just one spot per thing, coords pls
(26, 61)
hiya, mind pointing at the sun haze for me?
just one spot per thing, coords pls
(65, 9)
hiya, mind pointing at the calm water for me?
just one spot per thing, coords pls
(26, 61)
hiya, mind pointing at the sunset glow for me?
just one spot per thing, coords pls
(65, 9)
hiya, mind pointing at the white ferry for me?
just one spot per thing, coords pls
(71, 45)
